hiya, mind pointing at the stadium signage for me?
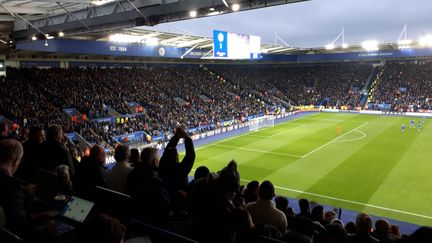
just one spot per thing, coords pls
(118, 48)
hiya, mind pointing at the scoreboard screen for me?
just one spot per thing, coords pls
(2, 68)
(229, 45)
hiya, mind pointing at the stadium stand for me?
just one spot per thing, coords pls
(212, 208)
(405, 86)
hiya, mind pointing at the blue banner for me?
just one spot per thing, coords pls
(135, 137)
(109, 48)
(71, 136)
(110, 119)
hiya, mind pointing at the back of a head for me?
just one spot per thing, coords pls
(229, 178)
(281, 202)
(102, 228)
(421, 235)
(148, 155)
(10, 151)
(4, 127)
(363, 223)
(382, 226)
(266, 190)
(55, 132)
(201, 172)
(134, 156)
(252, 186)
(97, 154)
(304, 205)
(336, 233)
(350, 227)
(121, 153)
(318, 213)
(36, 135)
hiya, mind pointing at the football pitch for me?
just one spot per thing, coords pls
(371, 166)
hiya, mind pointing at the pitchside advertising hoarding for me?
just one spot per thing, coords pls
(229, 45)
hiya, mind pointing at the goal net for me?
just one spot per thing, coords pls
(261, 122)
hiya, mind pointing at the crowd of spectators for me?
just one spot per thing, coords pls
(186, 95)
(302, 84)
(213, 207)
(406, 86)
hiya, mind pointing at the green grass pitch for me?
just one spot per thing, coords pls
(371, 167)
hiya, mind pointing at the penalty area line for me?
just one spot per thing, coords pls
(351, 202)
(258, 150)
(322, 146)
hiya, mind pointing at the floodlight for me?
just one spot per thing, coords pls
(34, 38)
(370, 45)
(193, 13)
(61, 34)
(404, 44)
(46, 43)
(212, 9)
(123, 38)
(426, 41)
(214, 13)
(100, 2)
(235, 7)
(152, 41)
(345, 45)
(330, 46)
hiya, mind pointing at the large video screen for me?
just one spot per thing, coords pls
(229, 45)
(2, 68)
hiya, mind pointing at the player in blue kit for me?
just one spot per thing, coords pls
(412, 123)
(419, 126)
(403, 128)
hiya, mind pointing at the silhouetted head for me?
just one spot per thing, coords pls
(266, 190)
(201, 172)
(97, 154)
(55, 133)
(121, 153)
(11, 152)
(150, 157)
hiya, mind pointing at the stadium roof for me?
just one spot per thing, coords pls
(91, 17)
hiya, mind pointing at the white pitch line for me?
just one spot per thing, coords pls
(322, 146)
(350, 201)
(285, 131)
(353, 139)
(248, 134)
(258, 150)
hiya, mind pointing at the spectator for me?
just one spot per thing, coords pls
(200, 173)
(304, 208)
(364, 230)
(251, 192)
(329, 216)
(148, 191)
(54, 151)
(14, 199)
(4, 131)
(382, 231)
(134, 159)
(172, 172)
(335, 234)
(64, 179)
(32, 152)
(282, 204)
(90, 172)
(116, 179)
(317, 214)
(263, 211)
